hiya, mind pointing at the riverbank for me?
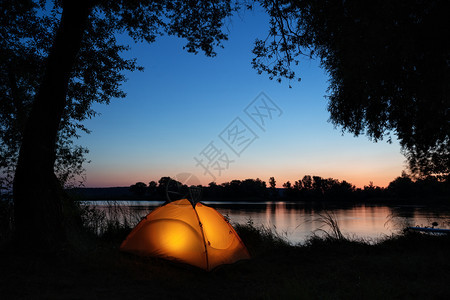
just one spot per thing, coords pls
(358, 196)
(410, 266)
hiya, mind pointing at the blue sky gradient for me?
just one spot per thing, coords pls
(182, 102)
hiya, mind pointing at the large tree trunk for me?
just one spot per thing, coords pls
(39, 222)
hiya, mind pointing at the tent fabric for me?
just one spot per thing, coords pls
(197, 235)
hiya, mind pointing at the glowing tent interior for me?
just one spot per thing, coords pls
(194, 234)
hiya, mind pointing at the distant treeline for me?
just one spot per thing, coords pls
(309, 188)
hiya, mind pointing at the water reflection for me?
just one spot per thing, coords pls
(298, 221)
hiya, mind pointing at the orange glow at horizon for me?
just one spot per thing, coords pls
(358, 171)
(359, 180)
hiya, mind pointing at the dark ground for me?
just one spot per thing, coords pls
(412, 266)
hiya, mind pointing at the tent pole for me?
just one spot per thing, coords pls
(203, 236)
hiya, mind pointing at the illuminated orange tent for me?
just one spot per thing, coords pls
(197, 235)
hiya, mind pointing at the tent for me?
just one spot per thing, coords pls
(194, 234)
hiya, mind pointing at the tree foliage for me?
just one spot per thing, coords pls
(138, 189)
(27, 35)
(69, 58)
(318, 188)
(247, 189)
(388, 64)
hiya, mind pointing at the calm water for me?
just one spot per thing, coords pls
(297, 221)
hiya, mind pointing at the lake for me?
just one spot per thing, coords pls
(297, 221)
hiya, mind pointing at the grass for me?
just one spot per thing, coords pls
(262, 239)
(332, 230)
(407, 266)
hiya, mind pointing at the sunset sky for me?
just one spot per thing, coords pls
(187, 108)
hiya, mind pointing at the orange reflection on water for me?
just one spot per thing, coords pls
(298, 221)
(363, 220)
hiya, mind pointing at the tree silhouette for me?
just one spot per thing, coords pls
(273, 187)
(272, 182)
(253, 188)
(287, 185)
(25, 43)
(402, 187)
(139, 189)
(307, 182)
(388, 63)
(371, 191)
(298, 185)
(152, 188)
(91, 26)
